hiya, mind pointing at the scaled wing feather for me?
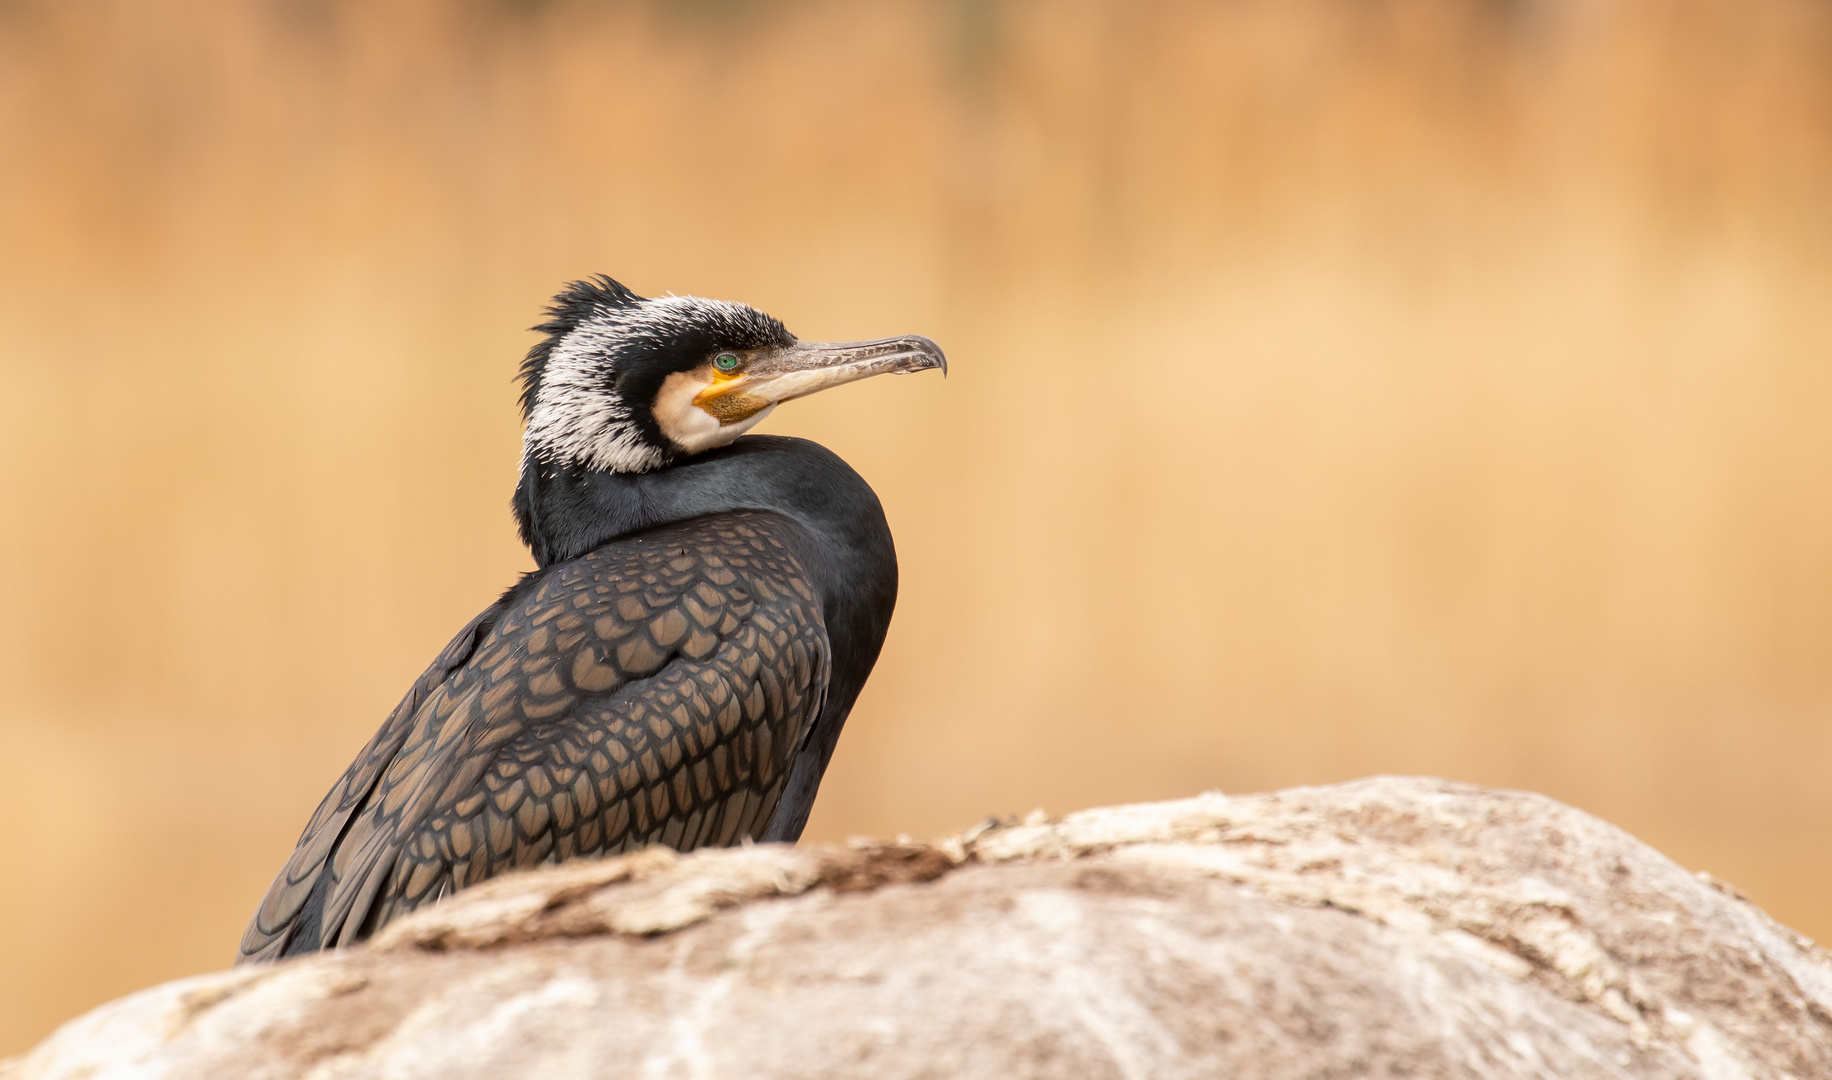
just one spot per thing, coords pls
(652, 691)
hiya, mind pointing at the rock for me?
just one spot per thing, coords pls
(1390, 927)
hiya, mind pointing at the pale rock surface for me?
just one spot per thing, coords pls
(1390, 927)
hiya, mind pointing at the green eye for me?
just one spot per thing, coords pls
(725, 362)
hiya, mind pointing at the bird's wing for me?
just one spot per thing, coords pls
(652, 691)
(273, 922)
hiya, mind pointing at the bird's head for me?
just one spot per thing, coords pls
(627, 384)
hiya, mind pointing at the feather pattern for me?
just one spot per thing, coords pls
(656, 690)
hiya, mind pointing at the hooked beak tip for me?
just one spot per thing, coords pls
(929, 349)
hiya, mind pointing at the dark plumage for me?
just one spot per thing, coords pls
(676, 670)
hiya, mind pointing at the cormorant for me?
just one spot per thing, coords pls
(704, 612)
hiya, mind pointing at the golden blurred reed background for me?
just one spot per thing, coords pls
(1422, 386)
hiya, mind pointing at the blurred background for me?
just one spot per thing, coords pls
(1339, 387)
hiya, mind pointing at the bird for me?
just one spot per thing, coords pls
(705, 607)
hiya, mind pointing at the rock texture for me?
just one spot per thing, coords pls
(1390, 927)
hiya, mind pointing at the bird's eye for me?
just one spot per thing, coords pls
(725, 362)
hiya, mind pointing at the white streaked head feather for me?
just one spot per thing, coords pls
(577, 417)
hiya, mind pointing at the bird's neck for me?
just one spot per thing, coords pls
(565, 512)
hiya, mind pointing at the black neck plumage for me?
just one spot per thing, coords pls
(565, 511)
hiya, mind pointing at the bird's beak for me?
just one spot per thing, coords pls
(773, 376)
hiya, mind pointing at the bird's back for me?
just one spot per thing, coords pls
(653, 690)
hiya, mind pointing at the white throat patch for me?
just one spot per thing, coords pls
(690, 427)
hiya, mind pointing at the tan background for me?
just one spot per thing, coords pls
(1339, 388)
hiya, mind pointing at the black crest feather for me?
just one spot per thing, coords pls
(571, 306)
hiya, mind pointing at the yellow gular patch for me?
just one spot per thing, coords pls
(725, 400)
